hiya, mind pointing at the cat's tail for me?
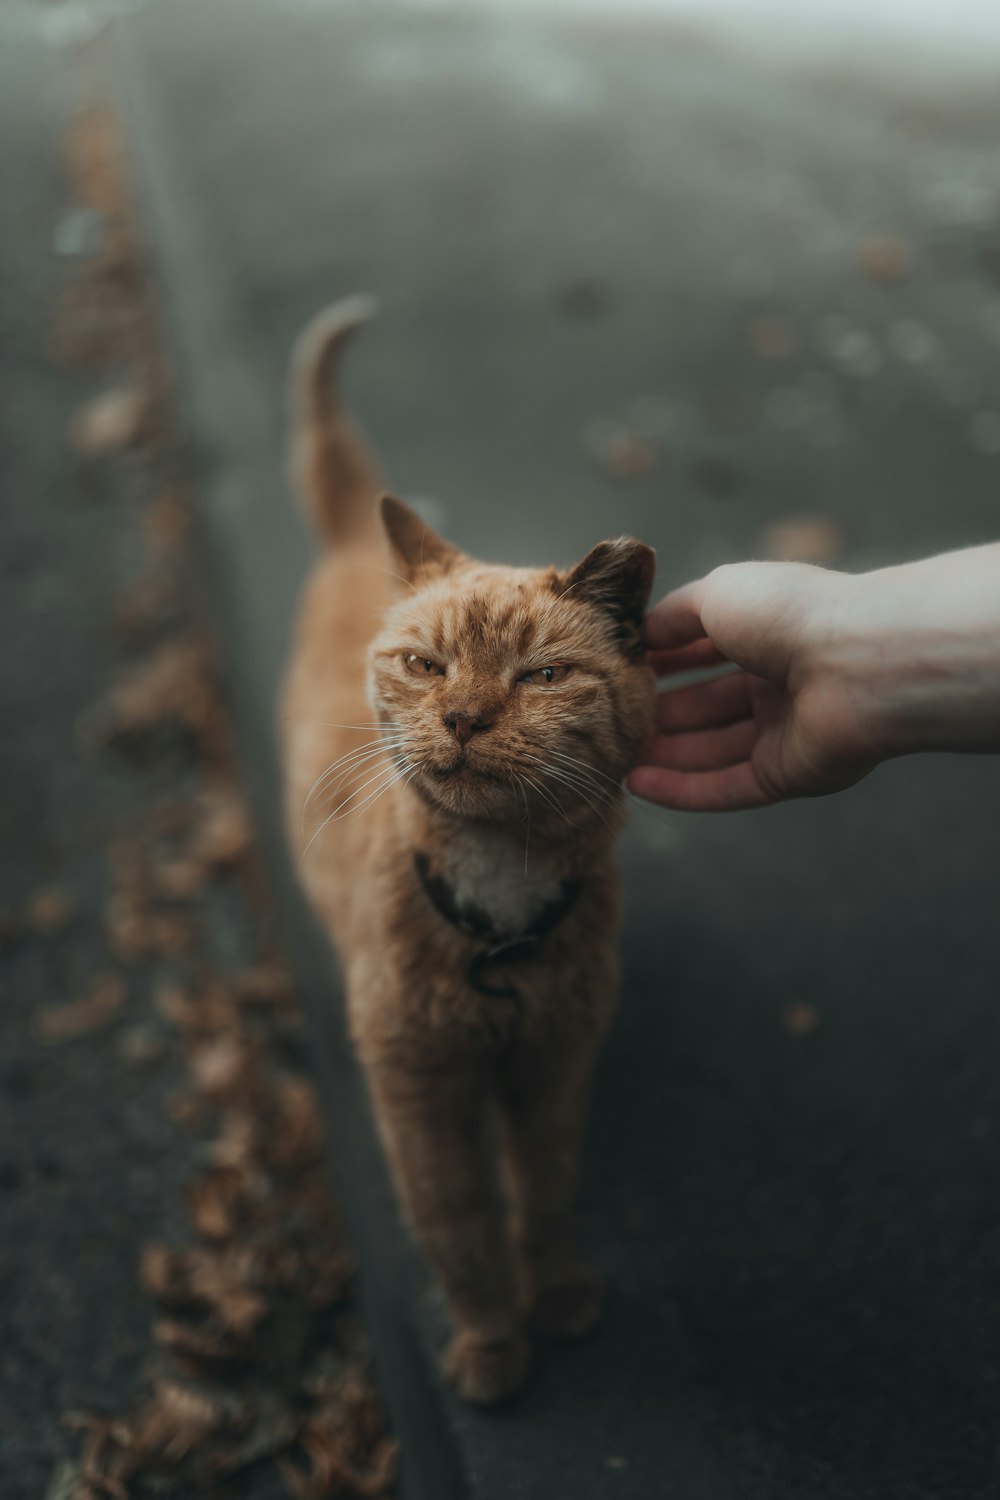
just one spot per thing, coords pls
(332, 470)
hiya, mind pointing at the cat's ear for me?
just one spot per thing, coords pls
(616, 577)
(416, 548)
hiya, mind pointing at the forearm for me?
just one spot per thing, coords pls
(918, 648)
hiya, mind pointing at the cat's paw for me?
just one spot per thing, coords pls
(486, 1369)
(569, 1307)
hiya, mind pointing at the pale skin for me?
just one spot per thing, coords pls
(834, 673)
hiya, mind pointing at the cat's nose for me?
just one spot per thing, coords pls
(464, 726)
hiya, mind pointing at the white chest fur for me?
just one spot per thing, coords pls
(486, 869)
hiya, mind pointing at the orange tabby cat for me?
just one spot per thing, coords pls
(455, 737)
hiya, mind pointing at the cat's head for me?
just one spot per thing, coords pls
(509, 689)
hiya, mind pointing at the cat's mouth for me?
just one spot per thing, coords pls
(462, 768)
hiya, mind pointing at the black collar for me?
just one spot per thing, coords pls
(501, 947)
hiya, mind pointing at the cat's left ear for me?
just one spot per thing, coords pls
(616, 577)
(416, 547)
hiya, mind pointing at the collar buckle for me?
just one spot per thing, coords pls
(501, 948)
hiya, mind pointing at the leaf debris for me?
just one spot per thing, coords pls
(256, 1352)
(102, 1001)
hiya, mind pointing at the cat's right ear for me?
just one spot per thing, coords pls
(417, 550)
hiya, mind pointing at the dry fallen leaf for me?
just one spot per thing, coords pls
(266, 984)
(136, 926)
(113, 420)
(59, 1023)
(218, 1279)
(179, 879)
(297, 1135)
(177, 683)
(333, 1466)
(220, 1066)
(201, 1349)
(772, 338)
(143, 609)
(223, 834)
(802, 1019)
(628, 456)
(168, 521)
(236, 1144)
(49, 910)
(141, 1045)
(811, 539)
(220, 1201)
(96, 162)
(201, 1013)
(884, 258)
(175, 1421)
(331, 1276)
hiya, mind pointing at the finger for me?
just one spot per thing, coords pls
(729, 790)
(676, 620)
(687, 658)
(704, 705)
(705, 750)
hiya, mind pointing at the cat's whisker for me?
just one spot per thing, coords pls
(540, 793)
(397, 774)
(520, 787)
(610, 794)
(356, 792)
(569, 589)
(568, 774)
(374, 567)
(640, 802)
(550, 798)
(391, 775)
(341, 767)
(346, 762)
(578, 787)
(515, 781)
(527, 820)
(349, 755)
(582, 779)
(589, 787)
(591, 770)
(347, 765)
(328, 723)
(404, 775)
(542, 789)
(389, 769)
(580, 792)
(651, 810)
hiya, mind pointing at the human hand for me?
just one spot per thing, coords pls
(778, 727)
(836, 672)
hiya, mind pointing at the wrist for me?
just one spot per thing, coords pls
(916, 650)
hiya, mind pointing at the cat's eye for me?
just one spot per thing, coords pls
(543, 676)
(421, 666)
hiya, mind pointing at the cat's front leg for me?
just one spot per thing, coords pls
(432, 1124)
(544, 1092)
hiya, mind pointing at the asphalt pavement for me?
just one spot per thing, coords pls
(134, 932)
(631, 280)
(91, 1164)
